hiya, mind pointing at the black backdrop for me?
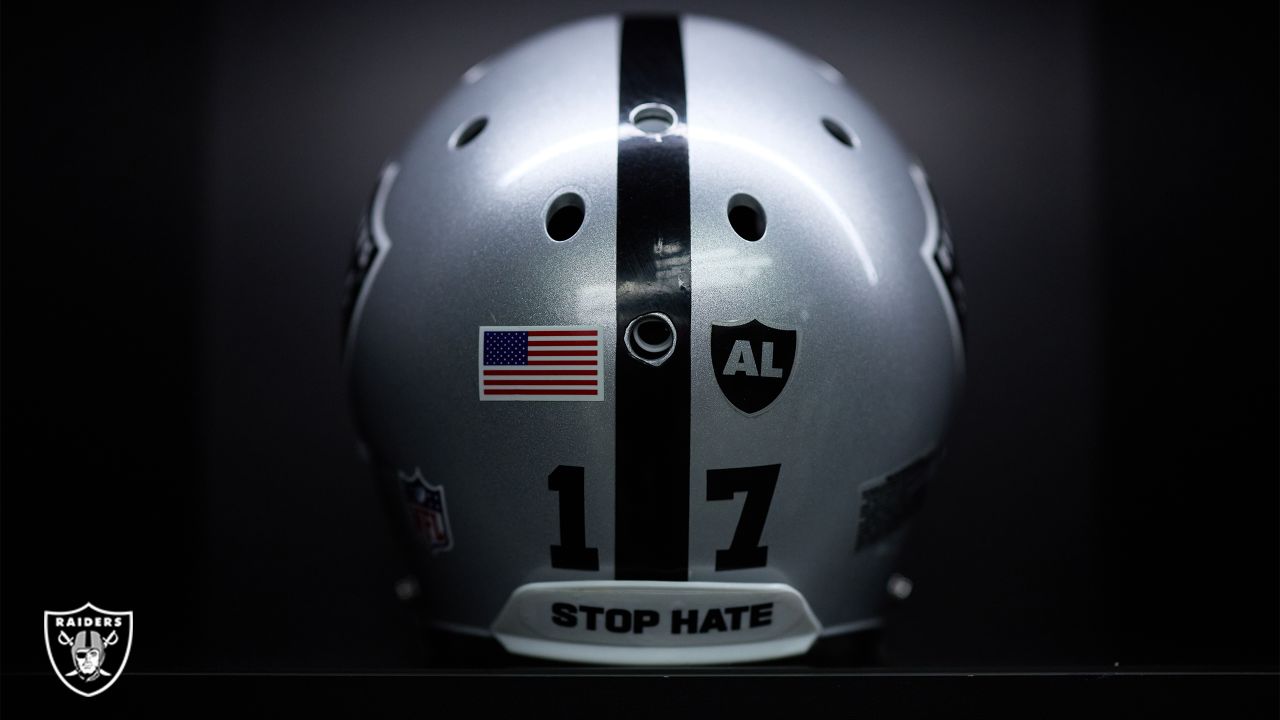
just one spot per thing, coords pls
(182, 185)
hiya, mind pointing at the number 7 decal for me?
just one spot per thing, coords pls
(758, 483)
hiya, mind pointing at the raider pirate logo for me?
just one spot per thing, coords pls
(88, 646)
(753, 363)
(427, 509)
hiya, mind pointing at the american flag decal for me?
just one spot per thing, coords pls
(540, 363)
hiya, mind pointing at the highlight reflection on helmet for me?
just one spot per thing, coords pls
(653, 332)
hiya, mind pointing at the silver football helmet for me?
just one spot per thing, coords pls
(653, 331)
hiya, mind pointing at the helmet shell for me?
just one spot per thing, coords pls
(854, 261)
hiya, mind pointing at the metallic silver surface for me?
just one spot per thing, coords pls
(842, 262)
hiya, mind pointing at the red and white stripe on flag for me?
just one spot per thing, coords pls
(540, 363)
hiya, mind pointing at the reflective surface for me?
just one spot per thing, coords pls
(841, 265)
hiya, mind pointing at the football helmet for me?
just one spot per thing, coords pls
(653, 331)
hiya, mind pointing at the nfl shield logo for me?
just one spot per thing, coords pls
(88, 646)
(752, 362)
(427, 511)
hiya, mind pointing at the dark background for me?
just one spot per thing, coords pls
(182, 186)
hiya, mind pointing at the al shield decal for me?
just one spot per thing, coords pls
(752, 363)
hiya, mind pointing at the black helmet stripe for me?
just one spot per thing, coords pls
(652, 436)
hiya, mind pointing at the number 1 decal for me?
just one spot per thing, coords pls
(572, 553)
(758, 483)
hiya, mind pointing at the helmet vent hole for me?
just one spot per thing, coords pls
(653, 335)
(565, 216)
(840, 132)
(467, 132)
(747, 217)
(651, 338)
(653, 118)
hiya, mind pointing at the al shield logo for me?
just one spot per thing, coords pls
(752, 362)
(88, 646)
